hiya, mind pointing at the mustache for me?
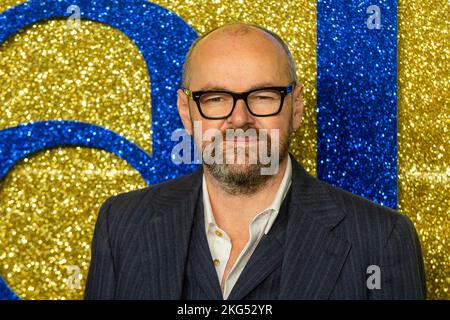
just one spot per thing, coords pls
(245, 131)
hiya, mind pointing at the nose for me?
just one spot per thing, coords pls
(240, 115)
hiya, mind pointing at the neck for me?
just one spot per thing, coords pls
(233, 211)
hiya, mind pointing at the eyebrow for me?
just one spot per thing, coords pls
(218, 88)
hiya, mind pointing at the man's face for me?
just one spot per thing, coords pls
(240, 63)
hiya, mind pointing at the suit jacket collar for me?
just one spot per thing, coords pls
(166, 234)
(309, 243)
(267, 256)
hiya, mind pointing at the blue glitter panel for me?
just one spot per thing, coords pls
(357, 97)
(163, 39)
(18, 142)
(5, 292)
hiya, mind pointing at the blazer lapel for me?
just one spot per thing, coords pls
(165, 238)
(313, 256)
(267, 256)
(312, 260)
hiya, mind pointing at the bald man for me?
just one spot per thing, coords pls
(249, 224)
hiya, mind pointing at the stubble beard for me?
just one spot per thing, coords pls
(246, 179)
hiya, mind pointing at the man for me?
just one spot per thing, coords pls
(227, 231)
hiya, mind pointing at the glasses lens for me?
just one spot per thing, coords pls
(216, 105)
(264, 102)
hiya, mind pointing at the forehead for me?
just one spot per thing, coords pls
(237, 59)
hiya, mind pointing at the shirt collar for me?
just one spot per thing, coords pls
(273, 208)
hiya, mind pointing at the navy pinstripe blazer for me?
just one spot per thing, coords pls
(141, 240)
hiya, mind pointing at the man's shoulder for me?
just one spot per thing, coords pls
(364, 215)
(131, 206)
(348, 201)
(172, 187)
(357, 210)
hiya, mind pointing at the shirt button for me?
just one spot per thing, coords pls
(216, 262)
(218, 233)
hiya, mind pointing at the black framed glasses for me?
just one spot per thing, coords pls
(261, 102)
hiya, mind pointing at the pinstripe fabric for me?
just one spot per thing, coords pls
(260, 278)
(261, 275)
(141, 241)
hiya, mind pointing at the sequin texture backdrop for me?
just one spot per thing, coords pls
(95, 74)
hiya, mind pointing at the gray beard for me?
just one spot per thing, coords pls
(246, 179)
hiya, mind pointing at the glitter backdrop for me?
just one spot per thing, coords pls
(50, 199)
(357, 98)
(48, 206)
(47, 67)
(114, 117)
(424, 133)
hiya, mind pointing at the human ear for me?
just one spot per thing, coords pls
(183, 111)
(297, 106)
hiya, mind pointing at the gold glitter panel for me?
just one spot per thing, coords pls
(295, 22)
(93, 73)
(48, 208)
(55, 215)
(6, 4)
(424, 123)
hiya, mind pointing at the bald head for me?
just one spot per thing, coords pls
(235, 38)
(242, 74)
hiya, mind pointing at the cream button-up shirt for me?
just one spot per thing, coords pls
(220, 244)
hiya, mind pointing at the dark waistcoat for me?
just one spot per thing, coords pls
(259, 279)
